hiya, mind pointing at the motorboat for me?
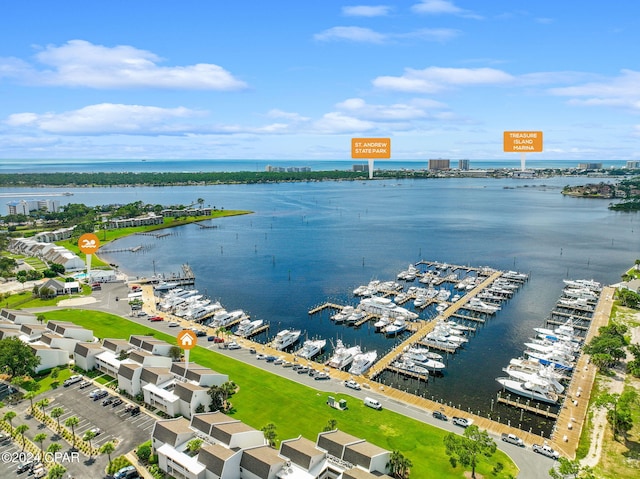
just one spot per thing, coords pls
(382, 323)
(529, 389)
(396, 327)
(342, 355)
(362, 362)
(311, 348)
(381, 306)
(285, 338)
(424, 353)
(558, 361)
(411, 366)
(421, 360)
(542, 376)
(355, 316)
(248, 327)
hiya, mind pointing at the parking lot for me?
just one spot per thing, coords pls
(115, 424)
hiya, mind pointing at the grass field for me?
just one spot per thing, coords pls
(299, 410)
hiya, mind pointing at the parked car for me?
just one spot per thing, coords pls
(107, 401)
(116, 402)
(440, 415)
(101, 393)
(233, 345)
(84, 384)
(462, 421)
(512, 439)
(200, 333)
(76, 378)
(156, 318)
(126, 472)
(95, 430)
(352, 384)
(546, 451)
(24, 466)
(173, 324)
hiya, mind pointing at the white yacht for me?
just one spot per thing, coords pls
(529, 389)
(422, 360)
(362, 362)
(396, 327)
(544, 377)
(248, 327)
(343, 355)
(311, 348)
(408, 365)
(285, 338)
(382, 323)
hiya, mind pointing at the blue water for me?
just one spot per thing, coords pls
(308, 243)
(83, 166)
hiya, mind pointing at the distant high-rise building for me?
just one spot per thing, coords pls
(633, 165)
(590, 166)
(360, 168)
(463, 165)
(439, 164)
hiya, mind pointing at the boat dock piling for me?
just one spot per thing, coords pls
(525, 406)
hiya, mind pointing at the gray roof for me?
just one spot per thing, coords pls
(116, 345)
(214, 456)
(167, 431)
(300, 451)
(224, 432)
(362, 453)
(185, 390)
(334, 442)
(356, 473)
(127, 370)
(204, 421)
(151, 375)
(260, 460)
(83, 349)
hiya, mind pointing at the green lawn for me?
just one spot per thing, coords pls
(295, 409)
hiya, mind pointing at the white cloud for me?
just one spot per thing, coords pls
(358, 108)
(435, 34)
(622, 91)
(354, 34)
(442, 7)
(366, 11)
(106, 118)
(335, 122)
(79, 63)
(366, 35)
(435, 79)
(291, 116)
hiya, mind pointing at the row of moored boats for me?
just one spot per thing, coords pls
(551, 355)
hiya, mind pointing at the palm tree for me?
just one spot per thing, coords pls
(87, 437)
(40, 437)
(53, 448)
(30, 395)
(107, 448)
(21, 429)
(56, 412)
(42, 404)
(270, 433)
(72, 422)
(8, 416)
(399, 465)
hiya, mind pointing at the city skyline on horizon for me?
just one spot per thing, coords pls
(441, 78)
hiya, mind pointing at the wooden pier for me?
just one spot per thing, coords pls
(527, 407)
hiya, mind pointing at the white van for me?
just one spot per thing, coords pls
(372, 403)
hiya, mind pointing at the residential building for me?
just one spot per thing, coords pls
(439, 165)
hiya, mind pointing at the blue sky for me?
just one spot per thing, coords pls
(253, 79)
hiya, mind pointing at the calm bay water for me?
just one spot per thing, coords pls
(308, 243)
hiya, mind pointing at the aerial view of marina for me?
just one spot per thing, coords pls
(345, 241)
